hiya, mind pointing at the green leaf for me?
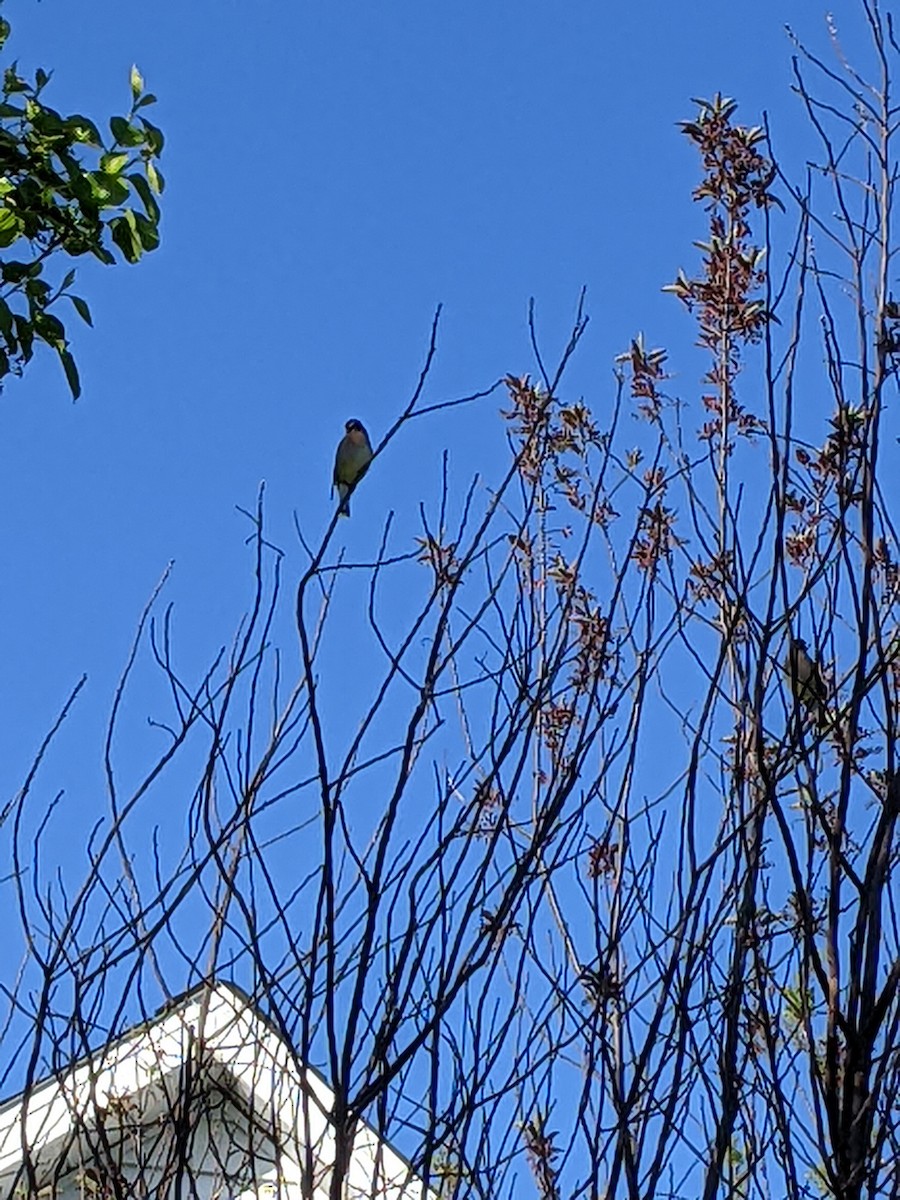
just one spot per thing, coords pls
(25, 334)
(125, 134)
(147, 232)
(82, 309)
(125, 235)
(154, 178)
(50, 329)
(6, 320)
(145, 100)
(153, 136)
(41, 78)
(13, 82)
(68, 364)
(37, 290)
(118, 127)
(137, 82)
(108, 190)
(49, 124)
(10, 110)
(140, 185)
(112, 164)
(105, 256)
(14, 272)
(68, 281)
(10, 226)
(84, 130)
(5, 30)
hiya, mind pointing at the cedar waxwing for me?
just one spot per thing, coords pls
(807, 685)
(354, 453)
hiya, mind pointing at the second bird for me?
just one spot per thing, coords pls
(807, 684)
(354, 453)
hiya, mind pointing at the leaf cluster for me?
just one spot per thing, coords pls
(66, 190)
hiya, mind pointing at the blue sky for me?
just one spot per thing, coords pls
(334, 171)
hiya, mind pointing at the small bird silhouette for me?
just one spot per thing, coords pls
(807, 685)
(354, 453)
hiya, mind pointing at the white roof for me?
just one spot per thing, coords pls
(257, 1117)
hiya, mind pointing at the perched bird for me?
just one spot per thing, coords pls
(354, 453)
(807, 685)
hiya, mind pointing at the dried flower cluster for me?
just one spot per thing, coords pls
(647, 373)
(657, 538)
(602, 859)
(541, 1151)
(546, 433)
(709, 580)
(737, 177)
(442, 560)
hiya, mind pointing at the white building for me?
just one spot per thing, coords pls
(204, 1102)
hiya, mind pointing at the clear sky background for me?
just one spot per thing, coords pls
(335, 170)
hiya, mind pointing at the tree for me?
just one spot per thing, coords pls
(66, 191)
(580, 893)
